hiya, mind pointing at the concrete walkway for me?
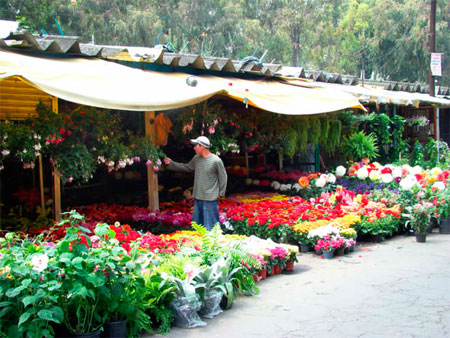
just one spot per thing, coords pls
(398, 288)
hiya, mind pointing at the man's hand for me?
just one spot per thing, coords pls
(167, 161)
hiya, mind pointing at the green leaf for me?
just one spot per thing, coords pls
(11, 293)
(46, 315)
(24, 317)
(64, 246)
(77, 262)
(95, 280)
(5, 311)
(29, 300)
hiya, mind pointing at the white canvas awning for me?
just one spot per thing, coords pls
(370, 94)
(103, 84)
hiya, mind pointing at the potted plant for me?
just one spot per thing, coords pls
(29, 283)
(291, 258)
(211, 291)
(328, 245)
(121, 303)
(444, 210)
(419, 218)
(186, 301)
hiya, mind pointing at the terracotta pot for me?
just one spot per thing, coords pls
(277, 269)
(289, 266)
(263, 274)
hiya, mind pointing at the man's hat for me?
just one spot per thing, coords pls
(202, 140)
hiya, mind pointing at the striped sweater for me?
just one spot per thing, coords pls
(210, 178)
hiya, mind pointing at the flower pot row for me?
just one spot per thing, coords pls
(276, 269)
(341, 251)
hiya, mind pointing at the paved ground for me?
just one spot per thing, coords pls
(398, 288)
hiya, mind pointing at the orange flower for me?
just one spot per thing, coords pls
(126, 227)
(365, 160)
(303, 182)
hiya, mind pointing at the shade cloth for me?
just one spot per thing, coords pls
(371, 94)
(105, 84)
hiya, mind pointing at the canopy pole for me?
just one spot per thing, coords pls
(280, 160)
(56, 178)
(41, 185)
(57, 194)
(438, 134)
(246, 164)
(152, 177)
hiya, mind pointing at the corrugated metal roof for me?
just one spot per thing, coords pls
(71, 45)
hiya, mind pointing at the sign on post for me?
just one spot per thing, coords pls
(436, 61)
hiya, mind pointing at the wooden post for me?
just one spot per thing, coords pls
(246, 164)
(41, 186)
(56, 179)
(152, 177)
(280, 160)
(57, 194)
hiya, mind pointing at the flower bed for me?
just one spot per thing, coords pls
(112, 272)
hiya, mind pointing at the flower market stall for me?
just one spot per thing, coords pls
(102, 84)
(150, 267)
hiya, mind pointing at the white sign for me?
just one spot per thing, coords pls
(436, 69)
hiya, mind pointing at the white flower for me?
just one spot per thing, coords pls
(374, 175)
(5, 152)
(37, 147)
(284, 187)
(435, 171)
(297, 187)
(397, 172)
(362, 173)
(320, 182)
(331, 178)
(39, 262)
(438, 185)
(416, 170)
(407, 167)
(248, 181)
(340, 171)
(276, 185)
(325, 177)
(386, 178)
(408, 182)
(255, 182)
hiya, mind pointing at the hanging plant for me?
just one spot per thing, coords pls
(302, 127)
(334, 136)
(314, 131)
(18, 139)
(358, 145)
(75, 142)
(324, 129)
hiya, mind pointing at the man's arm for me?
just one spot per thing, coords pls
(222, 175)
(176, 166)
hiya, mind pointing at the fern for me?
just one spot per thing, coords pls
(210, 242)
(334, 136)
(358, 145)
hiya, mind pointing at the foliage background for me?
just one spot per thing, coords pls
(390, 36)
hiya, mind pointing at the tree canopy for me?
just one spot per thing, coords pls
(390, 37)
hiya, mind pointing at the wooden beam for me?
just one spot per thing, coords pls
(152, 177)
(41, 186)
(56, 179)
(57, 194)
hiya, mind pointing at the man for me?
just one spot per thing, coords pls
(210, 181)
